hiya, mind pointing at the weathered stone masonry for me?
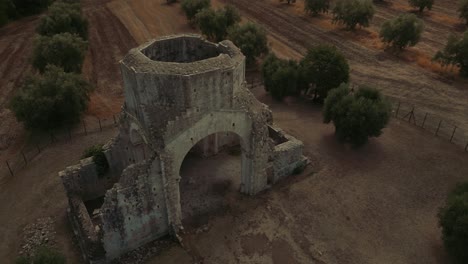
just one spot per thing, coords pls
(180, 91)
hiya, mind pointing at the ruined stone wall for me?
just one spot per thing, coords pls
(134, 210)
(287, 155)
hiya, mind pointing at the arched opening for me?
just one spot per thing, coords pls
(210, 174)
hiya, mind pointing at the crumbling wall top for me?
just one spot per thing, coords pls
(183, 55)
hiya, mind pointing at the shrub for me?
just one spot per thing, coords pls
(99, 158)
(215, 24)
(455, 53)
(421, 4)
(30, 7)
(53, 100)
(463, 10)
(315, 7)
(64, 17)
(251, 39)
(43, 255)
(402, 31)
(356, 115)
(3, 13)
(353, 12)
(64, 50)
(281, 77)
(326, 68)
(453, 218)
(192, 7)
(288, 1)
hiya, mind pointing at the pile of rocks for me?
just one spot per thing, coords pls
(37, 234)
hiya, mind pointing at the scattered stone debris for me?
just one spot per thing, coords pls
(37, 234)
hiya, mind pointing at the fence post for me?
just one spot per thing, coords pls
(466, 147)
(100, 126)
(84, 126)
(437, 131)
(411, 115)
(24, 157)
(398, 109)
(115, 122)
(424, 121)
(453, 133)
(9, 168)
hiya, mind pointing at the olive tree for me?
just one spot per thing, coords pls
(421, 4)
(453, 218)
(192, 7)
(356, 115)
(353, 12)
(281, 77)
(324, 67)
(64, 50)
(315, 7)
(402, 31)
(215, 23)
(251, 39)
(455, 53)
(52, 100)
(463, 10)
(64, 17)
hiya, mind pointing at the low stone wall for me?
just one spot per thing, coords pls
(287, 155)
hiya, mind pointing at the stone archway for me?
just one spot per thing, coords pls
(253, 175)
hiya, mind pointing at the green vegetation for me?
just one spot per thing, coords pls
(353, 12)
(251, 39)
(281, 77)
(43, 255)
(402, 31)
(455, 53)
(215, 23)
(99, 158)
(64, 50)
(421, 4)
(14, 9)
(64, 17)
(463, 10)
(192, 7)
(315, 7)
(324, 67)
(55, 99)
(356, 115)
(453, 218)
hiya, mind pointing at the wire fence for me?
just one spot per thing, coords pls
(439, 127)
(38, 143)
(404, 111)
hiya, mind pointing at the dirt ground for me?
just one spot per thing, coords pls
(373, 205)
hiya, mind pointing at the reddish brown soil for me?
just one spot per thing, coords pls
(377, 204)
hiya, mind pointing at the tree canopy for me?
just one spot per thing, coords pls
(453, 218)
(64, 50)
(463, 10)
(421, 4)
(356, 115)
(215, 23)
(402, 31)
(251, 39)
(315, 7)
(325, 67)
(281, 77)
(353, 12)
(64, 17)
(52, 100)
(455, 53)
(192, 7)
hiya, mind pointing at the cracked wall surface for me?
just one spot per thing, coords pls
(179, 91)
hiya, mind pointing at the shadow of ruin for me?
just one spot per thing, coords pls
(180, 92)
